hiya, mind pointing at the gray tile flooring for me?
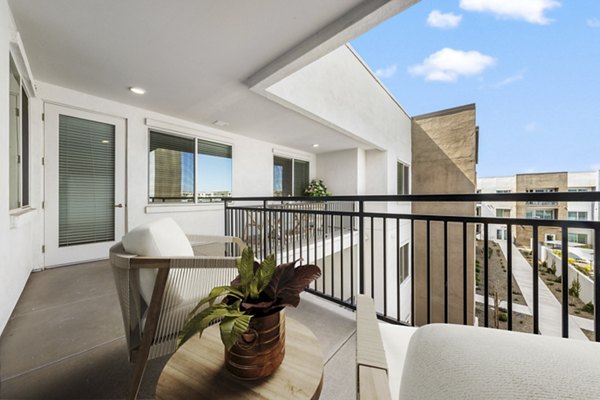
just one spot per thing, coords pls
(65, 340)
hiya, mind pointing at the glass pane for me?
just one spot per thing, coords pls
(86, 179)
(214, 170)
(301, 177)
(282, 176)
(170, 169)
(14, 102)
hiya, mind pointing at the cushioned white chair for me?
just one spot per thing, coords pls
(161, 274)
(444, 361)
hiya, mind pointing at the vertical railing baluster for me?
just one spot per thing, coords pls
(536, 291)
(264, 226)
(428, 253)
(352, 260)
(308, 238)
(412, 272)
(342, 257)
(465, 273)
(323, 272)
(385, 300)
(398, 271)
(509, 275)
(565, 281)
(332, 258)
(361, 247)
(372, 258)
(446, 271)
(596, 284)
(486, 270)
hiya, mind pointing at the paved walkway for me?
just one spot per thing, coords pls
(519, 308)
(550, 315)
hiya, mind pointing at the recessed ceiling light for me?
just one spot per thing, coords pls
(218, 122)
(137, 90)
(105, 141)
(316, 145)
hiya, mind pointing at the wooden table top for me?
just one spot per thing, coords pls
(197, 370)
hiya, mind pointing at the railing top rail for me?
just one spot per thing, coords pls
(473, 197)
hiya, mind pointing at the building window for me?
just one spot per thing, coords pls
(290, 176)
(581, 189)
(503, 213)
(404, 263)
(578, 238)
(18, 140)
(578, 215)
(503, 190)
(541, 214)
(187, 170)
(501, 234)
(403, 179)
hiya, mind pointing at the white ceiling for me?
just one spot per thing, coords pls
(192, 57)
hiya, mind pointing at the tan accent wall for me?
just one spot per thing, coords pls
(529, 182)
(444, 151)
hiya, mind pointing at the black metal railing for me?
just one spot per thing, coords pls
(361, 244)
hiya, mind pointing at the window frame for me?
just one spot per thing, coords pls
(503, 211)
(578, 215)
(195, 198)
(23, 152)
(405, 168)
(293, 160)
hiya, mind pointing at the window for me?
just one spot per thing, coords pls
(502, 213)
(403, 179)
(503, 190)
(290, 176)
(578, 215)
(18, 141)
(541, 214)
(578, 238)
(581, 189)
(187, 170)
(404, 264)
(501, 234)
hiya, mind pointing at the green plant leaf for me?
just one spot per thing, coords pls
(246, 269)
(232, 328)
(203, 319)
(289, 291)
(214, 294)
(263, 275)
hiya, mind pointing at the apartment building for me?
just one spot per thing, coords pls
(541, 183)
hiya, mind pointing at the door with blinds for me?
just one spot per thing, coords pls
(84, 185)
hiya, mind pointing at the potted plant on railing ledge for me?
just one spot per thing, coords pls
(316, 188)
(251, 313)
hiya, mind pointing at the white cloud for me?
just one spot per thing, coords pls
(593, 22)
(519, 76)
(447, 65)
(386, 72)
(437, 19)
(529, 10)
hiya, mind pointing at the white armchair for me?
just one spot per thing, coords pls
(160, 275)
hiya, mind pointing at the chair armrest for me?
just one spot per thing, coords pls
(371, 364)
(183, 262)
(197, 240)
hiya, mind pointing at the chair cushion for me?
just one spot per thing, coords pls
(463, 362)
(395, 342)
(160, 238)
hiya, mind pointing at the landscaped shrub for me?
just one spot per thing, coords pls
(490, 252)
(503, 317)
(544, 265)
(575, 288)
(589, 308)
(553, 267)
(558, 279)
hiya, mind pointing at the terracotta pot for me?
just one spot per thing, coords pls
(260, 350)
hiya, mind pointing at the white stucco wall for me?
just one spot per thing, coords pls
(339, 171)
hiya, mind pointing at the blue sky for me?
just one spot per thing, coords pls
(531, 66)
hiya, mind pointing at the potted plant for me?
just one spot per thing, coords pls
(252, 321)
(316, 188)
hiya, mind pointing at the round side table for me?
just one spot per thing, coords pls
(197, 370)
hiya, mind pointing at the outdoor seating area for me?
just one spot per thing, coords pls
(65, 340)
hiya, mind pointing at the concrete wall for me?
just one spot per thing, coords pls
(587, 285)
(531, 182)
(339, 170)
(444, 161)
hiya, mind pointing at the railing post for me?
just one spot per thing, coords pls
(226, 228)
(361, 246)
